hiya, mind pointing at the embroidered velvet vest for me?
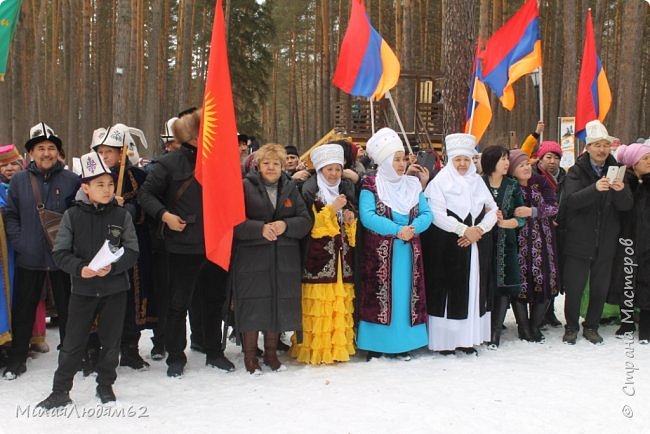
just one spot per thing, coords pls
(321, 263)
(376, 270)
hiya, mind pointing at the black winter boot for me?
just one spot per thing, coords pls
(550, 317)
(498, 316)
(537, 312)
(130, 356)
(55, 400)
(105, 393)
(523, 324)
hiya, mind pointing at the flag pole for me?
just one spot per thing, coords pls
(399, 121)
(372, 116)
(541, 103)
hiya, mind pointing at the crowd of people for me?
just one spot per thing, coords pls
(366, 250)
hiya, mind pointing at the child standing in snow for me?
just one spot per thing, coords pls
(85, 227)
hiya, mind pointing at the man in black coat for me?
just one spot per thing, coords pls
(589, 225)
(57, 188)
(172, 195)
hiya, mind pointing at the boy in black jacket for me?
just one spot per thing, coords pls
(84, 229)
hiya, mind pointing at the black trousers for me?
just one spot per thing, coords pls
(194, 275)
(161, 292)
(28, 285)
(82, 312)
(575, 273)
(130, 331)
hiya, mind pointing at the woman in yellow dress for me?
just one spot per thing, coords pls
(327, 282)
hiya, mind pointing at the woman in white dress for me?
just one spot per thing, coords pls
(459, 271)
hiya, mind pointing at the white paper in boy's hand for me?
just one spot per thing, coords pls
(105, 257)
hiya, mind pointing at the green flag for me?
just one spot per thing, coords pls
(9, 10)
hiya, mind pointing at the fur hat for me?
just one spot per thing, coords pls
(383, 144)
(9, 154)
(92, 166)
(117, 136)
(327, 154)
(40, 133)
(460, 144)
(186, 127)
(596, 131)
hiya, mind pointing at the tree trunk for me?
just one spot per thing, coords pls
(326, 102)
(629, 70)
(458, 34)
(571, 65)
(121, 79)
(152, 121)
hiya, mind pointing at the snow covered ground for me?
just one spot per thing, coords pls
(522, 387)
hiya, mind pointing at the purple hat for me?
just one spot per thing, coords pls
(631, 154)
(517, 156)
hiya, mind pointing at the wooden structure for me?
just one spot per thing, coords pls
(423, 125)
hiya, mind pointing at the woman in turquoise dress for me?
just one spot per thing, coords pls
(393, 212)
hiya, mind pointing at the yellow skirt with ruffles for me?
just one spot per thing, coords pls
(327, 322)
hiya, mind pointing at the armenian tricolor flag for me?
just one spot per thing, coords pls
(478, 104)
(512, 52)
(218, 167)
(594, 96)
(367, 66)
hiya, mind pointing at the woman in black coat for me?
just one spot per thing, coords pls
(266, 269)
(631, 284)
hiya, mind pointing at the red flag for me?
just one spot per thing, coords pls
(218, 167)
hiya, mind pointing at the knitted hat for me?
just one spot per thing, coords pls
(9, 154)
(92, 166)
(517, 156)
(383, 144)
(40, 133)
(460, 144)
(631, 154)
(327, 154)
(549, 146)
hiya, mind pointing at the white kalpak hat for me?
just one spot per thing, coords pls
(168, 135)
(596, 131)
(383, 144)
(460, 144)
(92, 166)
(118, 135)
(327, 154)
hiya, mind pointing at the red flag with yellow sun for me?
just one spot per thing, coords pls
(218, 168)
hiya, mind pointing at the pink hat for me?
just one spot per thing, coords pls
(631, 154)
(549, 146)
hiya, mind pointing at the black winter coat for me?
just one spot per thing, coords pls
(633, 247)
(159, 193)
(589, 220)
(58, 188)
(265, 276)
(83, 231)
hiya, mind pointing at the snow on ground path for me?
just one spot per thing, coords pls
(522, 387)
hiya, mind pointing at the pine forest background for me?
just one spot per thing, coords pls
(66, 53)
